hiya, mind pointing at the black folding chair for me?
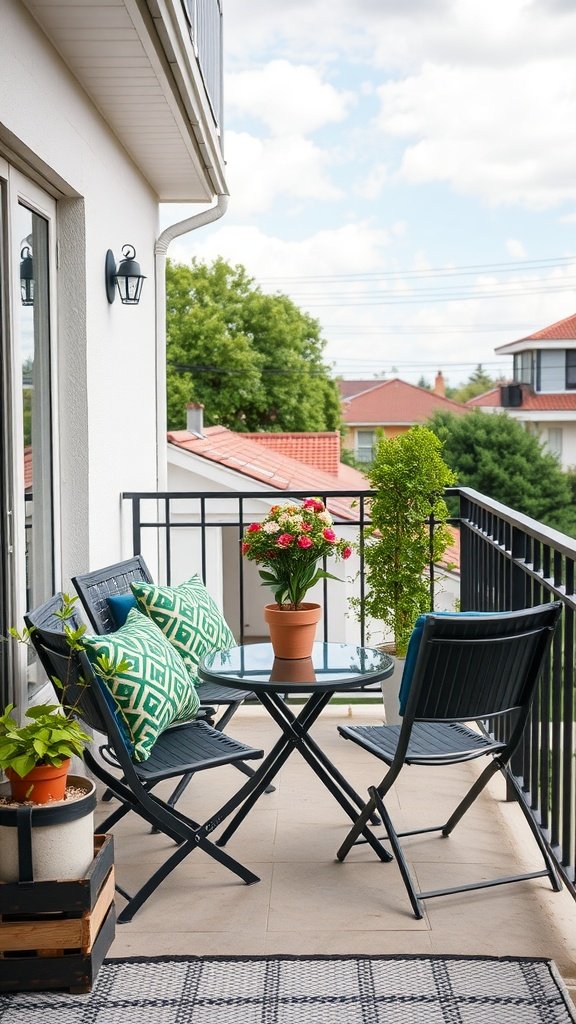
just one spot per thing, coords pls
(179, 751)
(94, 589)
(480, 669)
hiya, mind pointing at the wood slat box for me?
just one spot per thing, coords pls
(56, 934)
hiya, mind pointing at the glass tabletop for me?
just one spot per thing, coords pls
(331, 667)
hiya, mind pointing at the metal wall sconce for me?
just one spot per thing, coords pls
(127, 277)
(26, 276)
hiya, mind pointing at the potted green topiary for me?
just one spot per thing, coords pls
(409, 476)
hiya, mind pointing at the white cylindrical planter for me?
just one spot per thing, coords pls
(48, 842)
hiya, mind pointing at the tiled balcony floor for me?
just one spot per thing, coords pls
(307, 902)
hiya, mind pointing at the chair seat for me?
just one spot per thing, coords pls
(191, 747)
(214, 693)
(430, 742)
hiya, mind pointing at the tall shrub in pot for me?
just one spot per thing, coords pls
(409, 476)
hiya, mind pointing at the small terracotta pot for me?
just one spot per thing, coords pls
(292, 633)
(44, 783)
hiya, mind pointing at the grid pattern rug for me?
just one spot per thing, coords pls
(307, 990)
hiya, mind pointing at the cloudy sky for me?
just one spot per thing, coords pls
(405, 170)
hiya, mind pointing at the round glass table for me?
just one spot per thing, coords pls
(332, 668)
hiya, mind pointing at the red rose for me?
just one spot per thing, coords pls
(314, 504)
(304, 542)
(245, 548)
(306, 527)
(329, 534)
(254, 528)
(285, 540)
(346, 552)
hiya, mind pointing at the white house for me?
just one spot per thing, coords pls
(542, 393)
(107, 108)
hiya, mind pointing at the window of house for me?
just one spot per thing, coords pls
(365, 441)
(551, 370)
(570, 368)
(523, 368)
(554, 441)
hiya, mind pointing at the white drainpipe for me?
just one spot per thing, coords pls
(182, 227)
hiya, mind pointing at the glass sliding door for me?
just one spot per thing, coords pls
(27, 484)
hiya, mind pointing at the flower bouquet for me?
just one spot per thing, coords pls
(290, 542)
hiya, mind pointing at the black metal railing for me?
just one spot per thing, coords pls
(507, 561)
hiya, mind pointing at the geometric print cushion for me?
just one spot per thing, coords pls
(189, 618)
(154, 691)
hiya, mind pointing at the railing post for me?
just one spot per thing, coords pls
(517, 575)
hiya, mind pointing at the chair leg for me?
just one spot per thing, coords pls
(359, 826)
(398, 853)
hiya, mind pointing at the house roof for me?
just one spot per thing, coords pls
(531, 402)
(562, 330)
(248, 455)
(321, 450)
(395, 401)
(349, 388)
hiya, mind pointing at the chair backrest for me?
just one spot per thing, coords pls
(480, 667)
(49, 640)
(94, 589)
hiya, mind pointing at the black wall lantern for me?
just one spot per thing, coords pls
(126, 277)
(26, 276)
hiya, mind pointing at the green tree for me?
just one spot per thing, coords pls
(409, 476)
(492, 453)
(478, 382)
(253, 360)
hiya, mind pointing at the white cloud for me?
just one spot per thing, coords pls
(289, 99)
(259, 170)
(515, 249)
(495, 133)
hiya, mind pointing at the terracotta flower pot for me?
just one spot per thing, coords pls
(292, 633)
(44, 783)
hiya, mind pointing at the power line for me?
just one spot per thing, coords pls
(515, 266)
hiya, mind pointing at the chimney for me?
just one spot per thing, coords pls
(195, 419)
(439, 386)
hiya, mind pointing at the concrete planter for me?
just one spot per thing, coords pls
(390, 691)
(44, 842)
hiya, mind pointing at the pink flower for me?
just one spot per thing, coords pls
(306, 527)
(304, 542)
(285, 540)
(329, 534)
(245, 548)
(346, 552)
(254, 528)
(314, 504)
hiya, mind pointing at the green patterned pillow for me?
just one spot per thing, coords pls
(154, 691)
(188, 617)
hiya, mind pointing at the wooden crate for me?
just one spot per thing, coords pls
(56, 934)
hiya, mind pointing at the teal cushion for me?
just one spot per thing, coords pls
(188, 616)
(120, 605)
(414, 647)
(153, 690)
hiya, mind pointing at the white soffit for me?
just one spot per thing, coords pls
(141, 73)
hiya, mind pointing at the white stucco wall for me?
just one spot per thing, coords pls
(106, 391)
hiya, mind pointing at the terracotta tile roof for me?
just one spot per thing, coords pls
(321, 450)
(559, 402)
(562, 330)
(260, 462)
(28, 467)
(451, 557)
(395, 401)
(488, 398)
(349, 388)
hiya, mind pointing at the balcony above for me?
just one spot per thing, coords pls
(153, 70)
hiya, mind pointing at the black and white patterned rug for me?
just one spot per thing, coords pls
(307, 990)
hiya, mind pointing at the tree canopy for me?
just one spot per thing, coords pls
(492, 453)
(253, 360)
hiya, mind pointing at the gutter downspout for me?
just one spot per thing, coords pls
(182, 227)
